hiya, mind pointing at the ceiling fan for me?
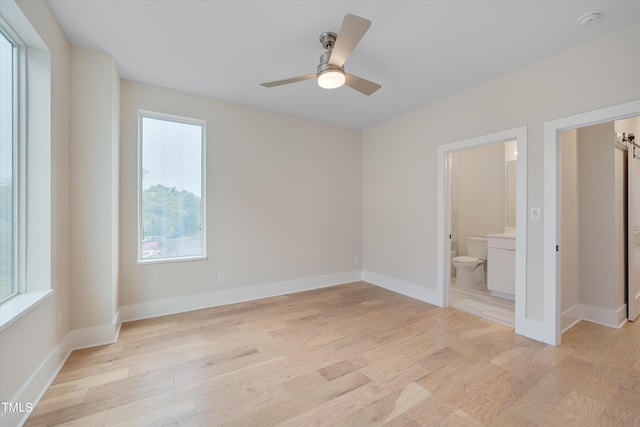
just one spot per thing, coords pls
(330, 72)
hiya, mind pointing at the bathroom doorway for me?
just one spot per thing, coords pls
(483, 200)
(488, 172)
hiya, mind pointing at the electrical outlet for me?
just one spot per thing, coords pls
(356, 260)
(221, 277)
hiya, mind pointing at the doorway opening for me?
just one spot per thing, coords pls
(482, 204)
(553, 308)
(452, 237)
(595, 166)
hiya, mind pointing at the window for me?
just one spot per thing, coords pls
(8, 169)
(171, 188)
(25, 276)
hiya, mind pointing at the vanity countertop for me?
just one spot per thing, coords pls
(502, 236)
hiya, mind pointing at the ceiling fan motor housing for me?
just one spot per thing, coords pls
(328, 40)
(324, 63)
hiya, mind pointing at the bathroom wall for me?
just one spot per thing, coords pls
(479, 174)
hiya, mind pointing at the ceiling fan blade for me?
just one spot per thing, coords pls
(291, 80)
(360, 84)
(352, 30)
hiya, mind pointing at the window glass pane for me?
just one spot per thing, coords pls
(7, 169)
(172, 193)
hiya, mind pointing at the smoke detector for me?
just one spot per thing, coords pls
(589, 19)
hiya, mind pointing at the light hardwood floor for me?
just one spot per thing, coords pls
(352, 355)
(483, 304)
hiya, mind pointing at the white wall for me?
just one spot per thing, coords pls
(94, 171)
(283, 206)
(569, 222)
(399, 156)
(481, 191)
(32, 348)
(597, 205)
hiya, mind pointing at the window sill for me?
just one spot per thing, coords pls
(18, 306)
(177, 259)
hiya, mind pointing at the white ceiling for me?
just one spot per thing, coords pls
(419, 51)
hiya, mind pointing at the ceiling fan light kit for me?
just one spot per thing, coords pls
(330, 73)
(331, 78)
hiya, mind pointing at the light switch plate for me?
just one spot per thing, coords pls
(535, 213)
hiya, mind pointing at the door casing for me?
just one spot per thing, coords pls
(552, 129)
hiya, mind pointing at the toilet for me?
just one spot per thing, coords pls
(454, 253)
(470, 269)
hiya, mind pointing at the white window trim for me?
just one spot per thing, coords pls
(20, 305)
(34, 130)
(19, 164)
(203, 205)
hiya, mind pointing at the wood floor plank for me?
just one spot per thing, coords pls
(350, 355)
(576, 410)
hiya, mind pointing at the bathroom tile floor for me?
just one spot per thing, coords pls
(483, 304)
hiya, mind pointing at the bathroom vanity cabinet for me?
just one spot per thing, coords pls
(501, 265)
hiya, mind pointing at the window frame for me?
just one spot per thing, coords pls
(34, 189)
(142, 114)
(18, 151)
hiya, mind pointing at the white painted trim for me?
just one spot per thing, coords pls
(95, 335)
(421, 293)
(603, 316)
(552, 129)
(20, 305)
(523, 325)
(142, 114)
(186, 303)
(530, 328)
(38, 383)
(443, 261)
(570, 317)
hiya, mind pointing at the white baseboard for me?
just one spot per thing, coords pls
(186, 303)
(603, 316)
(570, 317)
(531, 329)
(34, 388)
(412, 290)
(593, 314)
(95, 335)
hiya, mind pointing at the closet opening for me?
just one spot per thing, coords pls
(599, 223)
(554, 251)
